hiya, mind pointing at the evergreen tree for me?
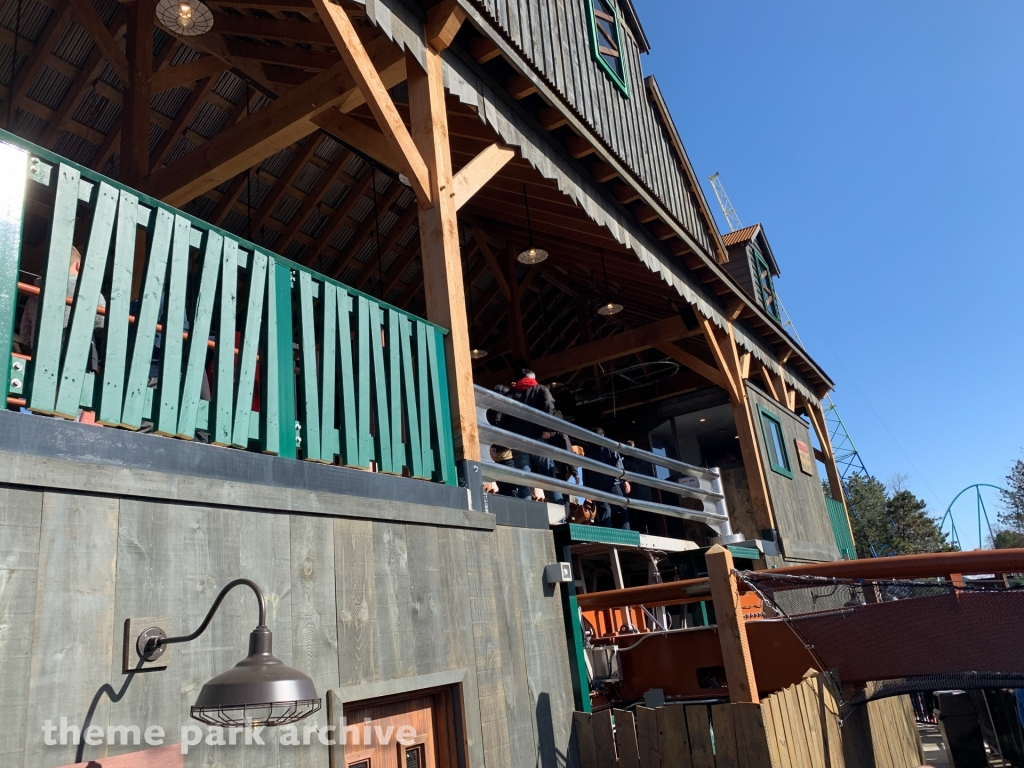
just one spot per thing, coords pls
(866, 497)
(1011, 516)
(912, 530)
(891, 521)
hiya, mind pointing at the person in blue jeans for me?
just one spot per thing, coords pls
(528, 391)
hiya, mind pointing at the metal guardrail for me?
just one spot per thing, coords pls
(709, 492)
(358, 381)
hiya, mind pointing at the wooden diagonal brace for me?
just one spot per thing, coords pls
(478, 171)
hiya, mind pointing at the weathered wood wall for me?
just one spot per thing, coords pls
(553, 36)
(798, 503)
(350, 601)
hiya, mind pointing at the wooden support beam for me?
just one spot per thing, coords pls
(172, 77)
(694, 363)
(835, 480)
(302, 6)
(520, 87)
(362, 68)
(603, 171)
(183, 120)
(661, 230)
(443, 23)
(86, 15)
(644, 213)
(732, 630)
(492, 263)
(734, 308)
(241, 146)
(478, 171)
(284, 55)
(483, 49)
(137, 80)
(579, 147)
(551, 119)
(625, 194)
(292, 30)
(439, 243)
(363, 137)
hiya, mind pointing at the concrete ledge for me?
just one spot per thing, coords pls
(518, 513)
(42, 452)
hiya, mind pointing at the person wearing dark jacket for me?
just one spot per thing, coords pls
(528, 391)
(608, 515)
(499, 453)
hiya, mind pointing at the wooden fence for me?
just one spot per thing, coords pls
(166, 307)
(798, 727)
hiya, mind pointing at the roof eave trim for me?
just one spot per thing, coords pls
(634, 23)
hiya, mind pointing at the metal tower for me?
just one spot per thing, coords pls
(726, 205)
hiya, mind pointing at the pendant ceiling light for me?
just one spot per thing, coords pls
(258, 691)
(531, 254)
(474, 352)
(610, 307)
(184, 17)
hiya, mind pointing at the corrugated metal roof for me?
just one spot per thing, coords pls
(34, 16)
(740, 235)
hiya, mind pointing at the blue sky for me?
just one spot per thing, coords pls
(881, 144)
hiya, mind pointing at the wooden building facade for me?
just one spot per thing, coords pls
(390, 159)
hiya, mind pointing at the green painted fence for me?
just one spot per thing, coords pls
(841, 528)
(337, 375)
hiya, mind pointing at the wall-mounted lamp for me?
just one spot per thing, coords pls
(259, 690)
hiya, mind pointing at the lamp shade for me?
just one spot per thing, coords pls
(189, 18)
(259, 690)
(477, 354)
(611, 308)
(532, 255)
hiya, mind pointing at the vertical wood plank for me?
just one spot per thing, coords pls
(200, 334)
(118, 307)
(673, 738)
(773, 734)
(330, 444)
(307, 365)
(394, 347)
(87, 296)
(626, 739)
(270, 393)
(165, 420)
(647, 737)
(584, 731)
(20, 521)
(698, 725)
(423, 334)
(604, 739)
(726, 751)
(284, 372)
(224, 384)
(442, 414)
(14, 167)
(49, 330)
(392, 589)
(413, 456)
(382, 423)
(427, 612)
(752, 746)
(162, 225)
(250, 345)
(348, 425)
(355, 590)
(75, 588)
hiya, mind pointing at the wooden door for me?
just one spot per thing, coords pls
(407, 733)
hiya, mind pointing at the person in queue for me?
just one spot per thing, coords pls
(528, 391)
(608, 515)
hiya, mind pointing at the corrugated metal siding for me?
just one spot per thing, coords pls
(553, 36)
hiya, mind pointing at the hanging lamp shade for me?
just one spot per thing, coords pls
(611, 308)
(477, 354)
(531, 254)
(184, 17)
(260, 689)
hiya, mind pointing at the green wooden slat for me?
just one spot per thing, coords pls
(83, 311)
(394, 349)
(172, 344)
(199, 335)
(49, 332)
(14, 168)
(414, 454)
(269, 423)
(442, 414)
(363, 331)
(423, 333)
(382, 433)
(145, 322)
(285, 371)
(307, 365)
(330, 444)
(250, 346)
(348, 425)
(118, 307)
(224, 385)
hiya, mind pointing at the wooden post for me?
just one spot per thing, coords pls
(732, 631)
(439, 244)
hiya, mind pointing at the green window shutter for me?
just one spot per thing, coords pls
(775, 442)
(605, 29)
(841, 528)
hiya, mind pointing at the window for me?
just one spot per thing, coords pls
(605, 41)
(765, 288)
(775, 442)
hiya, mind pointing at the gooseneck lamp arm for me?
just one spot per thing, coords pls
(151, 643)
